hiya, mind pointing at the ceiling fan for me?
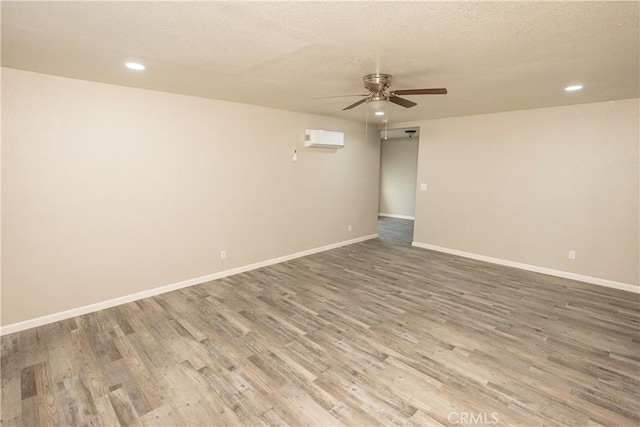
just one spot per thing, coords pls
(378, 83)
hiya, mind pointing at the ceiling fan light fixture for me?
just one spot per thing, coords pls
(134, 66)
(377, 104)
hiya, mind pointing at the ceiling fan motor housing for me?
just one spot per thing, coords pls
(377, 82)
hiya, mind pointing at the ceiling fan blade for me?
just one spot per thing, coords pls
(355, 104)
(337, 96)
(435, 91)
(401, 101)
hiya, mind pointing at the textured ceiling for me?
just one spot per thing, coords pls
(492, 56)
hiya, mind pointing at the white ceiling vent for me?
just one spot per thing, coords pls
(323, 138)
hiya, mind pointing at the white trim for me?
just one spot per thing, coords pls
(543, 270)
(79, 311)
(397, 216)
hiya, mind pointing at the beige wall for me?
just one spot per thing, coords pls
(528, 186)
(398, 169)
(109, 191)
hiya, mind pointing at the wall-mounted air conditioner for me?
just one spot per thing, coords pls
(323, 138)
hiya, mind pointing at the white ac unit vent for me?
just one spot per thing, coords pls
(323, 138)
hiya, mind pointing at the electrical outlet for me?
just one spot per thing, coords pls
(223, 254)
(572, 254)
(349, 228)
(423, 187)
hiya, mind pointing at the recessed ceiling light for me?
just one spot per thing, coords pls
(134, 66)
(573, 88)
(379, 113)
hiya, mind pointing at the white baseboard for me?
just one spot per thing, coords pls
(79, 311)
(549, 271)
(397, 216)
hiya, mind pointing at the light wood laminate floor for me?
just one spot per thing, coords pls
(375, 333)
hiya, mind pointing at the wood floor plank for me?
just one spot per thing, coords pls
(10, 373)
(78, 403)
(124, 408)
(375, 333)
(30, 414)
(28, 382)
(164, 416)
(47, 398)
(105, 412)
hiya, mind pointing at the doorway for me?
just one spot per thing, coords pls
(398, 177)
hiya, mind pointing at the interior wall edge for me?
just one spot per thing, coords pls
(534, 268)
(79, 311)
